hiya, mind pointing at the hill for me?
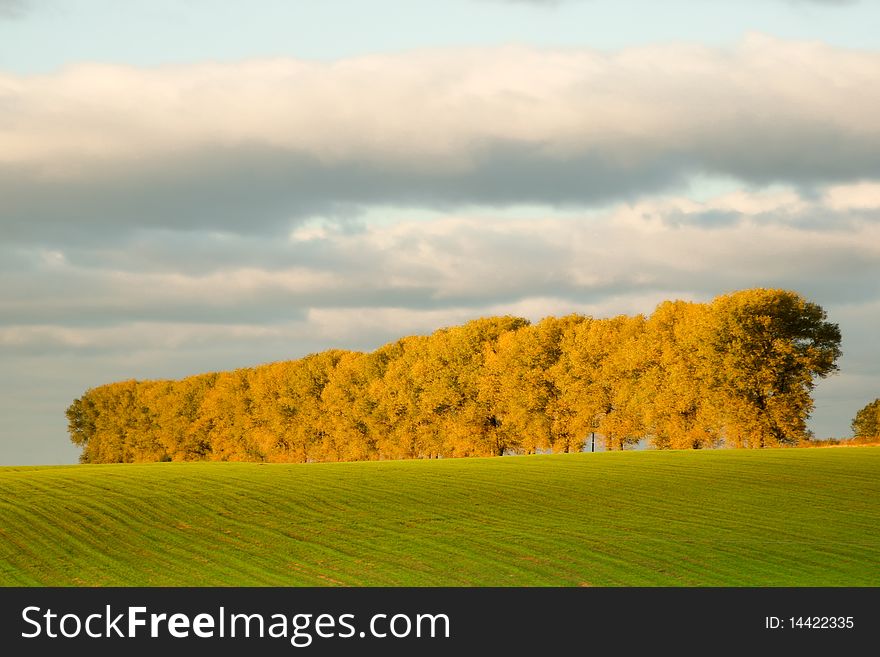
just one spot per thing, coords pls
(725, 518)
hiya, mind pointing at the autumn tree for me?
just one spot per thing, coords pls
(518, 379)
(347, 408)
(769, 346)
(454, 369)
(81, 419)
(678, 412)
(866, 423)
(186, 439)
(401, 422)
(597, 376)
(739, 370)
(305, 381)
(226, 420)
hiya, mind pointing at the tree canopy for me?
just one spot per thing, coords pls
(866, 423)
(738, 371)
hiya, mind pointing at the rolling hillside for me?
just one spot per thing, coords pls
(728, 518)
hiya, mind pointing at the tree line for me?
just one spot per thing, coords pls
(738, 371)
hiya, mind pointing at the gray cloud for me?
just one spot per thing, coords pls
(63, 295)
(13, 8)
(260, 191)
(257, 148)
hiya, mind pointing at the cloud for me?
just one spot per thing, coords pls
(444, 111)
(259, 145)
(459, 263)
(13, 8)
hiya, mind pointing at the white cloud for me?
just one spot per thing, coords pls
(859, 196)
(767, 110)
(96, 152)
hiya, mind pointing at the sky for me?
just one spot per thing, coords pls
(200, 185)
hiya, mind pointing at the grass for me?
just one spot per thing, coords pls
(719, 518)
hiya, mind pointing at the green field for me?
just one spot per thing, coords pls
(792, 517)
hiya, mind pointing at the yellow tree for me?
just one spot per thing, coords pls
(147, 440)
(598, 376)
(401, 428)
(455, 372)
(188, 440)
(304, 384)
(769, 346)
(622, 420)
(866, 423)
(678, 413)
(518, 378)
(740, 369)
(575, 374)
(347, 408)
(225, 417)
(271, 412)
